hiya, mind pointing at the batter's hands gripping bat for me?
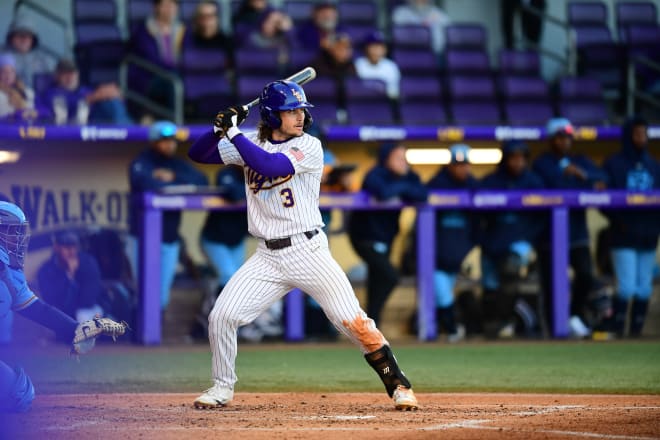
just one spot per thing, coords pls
(302, 77)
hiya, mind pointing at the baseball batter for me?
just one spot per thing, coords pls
(283, 167)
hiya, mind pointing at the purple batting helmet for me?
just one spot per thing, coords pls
(282, 95)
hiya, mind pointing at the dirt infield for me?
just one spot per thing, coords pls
(341, 416)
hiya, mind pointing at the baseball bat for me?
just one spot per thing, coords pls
(302, 77)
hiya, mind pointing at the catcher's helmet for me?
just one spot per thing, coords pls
(282, 95)
(14, 235)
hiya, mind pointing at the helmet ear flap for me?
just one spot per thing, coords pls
(270, 117)
(308, 119)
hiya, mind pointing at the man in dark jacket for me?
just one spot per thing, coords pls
(71, 279)
(561, 169)
(507, 239)
(635, 232)
(156, 168)
(372, 231)
(454, 238)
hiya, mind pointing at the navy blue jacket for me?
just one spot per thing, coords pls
(455, 233)
(382, 184)
(547, 166)
(141, 180)
(634, 170)
(69, 295)
(228, 227)
(499, 229)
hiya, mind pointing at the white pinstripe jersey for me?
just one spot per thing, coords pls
(282, 206)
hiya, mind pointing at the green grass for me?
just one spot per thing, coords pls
(557, 367)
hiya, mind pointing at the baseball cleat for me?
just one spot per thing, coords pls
(404, 399)
(214, 397)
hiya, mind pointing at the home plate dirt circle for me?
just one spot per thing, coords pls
(341, 416)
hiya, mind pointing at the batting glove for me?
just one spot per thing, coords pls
(227, 121)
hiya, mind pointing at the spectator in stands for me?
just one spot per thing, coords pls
(16, 99)
(530, 24)
(322, 29)
(336, 60)
(372, 232)
(23, 43)
(71, 279)
(507, 239)
(374, 64)
(559, 168)
(205, 32)
(258, 23)
(158, 40)
(455, 237)
(423, 12)
(154, 169)
(73, 103)
(634, 233)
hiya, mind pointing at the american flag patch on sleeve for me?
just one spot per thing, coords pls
(296, 153)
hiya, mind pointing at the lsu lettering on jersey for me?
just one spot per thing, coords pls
(282, 206)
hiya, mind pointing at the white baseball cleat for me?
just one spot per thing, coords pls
(214, 397)
(404, 399)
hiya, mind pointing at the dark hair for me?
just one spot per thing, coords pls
(264, 131)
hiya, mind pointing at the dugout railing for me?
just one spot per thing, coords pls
(558, 203)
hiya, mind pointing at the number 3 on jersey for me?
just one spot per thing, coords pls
(287, 198)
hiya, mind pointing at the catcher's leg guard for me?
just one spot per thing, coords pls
(23, 393)
(384, 363)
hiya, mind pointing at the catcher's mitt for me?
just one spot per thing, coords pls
(87, 332)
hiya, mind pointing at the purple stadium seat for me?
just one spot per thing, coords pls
(584, 113)
(92, 32)
(577, 88)
(471, 87)
(99, 61)
(299, 10)
(587, 13)
(323, 87)
(592, 35)
(527, 113)
(324, 112)
(414, 61)
(249, 86)
(199, 85)
(357, 11)
(420, 89)
(423, 113)
(187, 10)
(642, 35)
(634, 14)
(138, 10)
(519, 62)
(524, 87)
(94, 11)
(358, 32)
(300, 57)
(462, 61)
(254, 60)
(475, 113)
(412, 36)
(42, 81)
(466, 36)
(194, 59)
(367, 102)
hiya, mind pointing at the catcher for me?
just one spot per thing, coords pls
(16, 389)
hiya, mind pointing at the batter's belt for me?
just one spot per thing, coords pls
(281, 243)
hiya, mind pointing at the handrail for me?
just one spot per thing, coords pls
(632, 84)
(44, 12)
(570, 61)
(175, 114)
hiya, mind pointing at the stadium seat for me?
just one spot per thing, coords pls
(299, 10)
(519, 62)
(367, 102)
(255, 60)
(94, 11)
(526, 100)
(357, 12)
(473, 100)
(421, 101)
(411, 36)
(581, 100)
(470, 36)
(633, 14)
(416, 62)
(467, 61)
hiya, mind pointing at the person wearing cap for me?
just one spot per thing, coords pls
(507, 239)
(73, 103)
(424, 13)
(634, 232)
(375, 65)
(23, 43)
(561, 168)
(16, 99)
(372, 231)
(454, 237)
(155, 168)
(71, 279)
